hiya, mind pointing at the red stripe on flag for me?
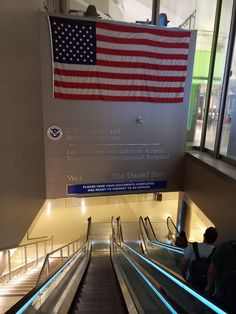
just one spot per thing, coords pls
(141, 65)
(117, 98)
(119, 87)
(150, 30)
(147, 42)
(146, 54)
(127, 76)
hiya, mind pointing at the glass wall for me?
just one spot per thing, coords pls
(228, 138)
(137, 10)
(199, 15)
(117, 10)
(218, 73)
(204, 24)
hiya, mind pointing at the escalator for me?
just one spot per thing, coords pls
(129, 233)
(99, 291)
(162, 263)
(88, 282)
(154, 233)
(165, 254)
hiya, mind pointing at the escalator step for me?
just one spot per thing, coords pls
(99, 292)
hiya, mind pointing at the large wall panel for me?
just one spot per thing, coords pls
(111, 147)
(22, 190)
(214, 192)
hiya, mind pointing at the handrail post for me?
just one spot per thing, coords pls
(45, 248)
(73, 247)
(37, 253)
(48, 267)
(25, 251)
(9, 263)
(61, 256)
(52, 244)
(68, 250)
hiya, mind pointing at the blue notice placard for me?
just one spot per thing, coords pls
(73, 189)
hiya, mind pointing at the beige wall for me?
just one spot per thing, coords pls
(22, 156)
(214, 193)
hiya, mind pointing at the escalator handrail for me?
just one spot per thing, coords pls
(162, 291)
(141, 223)
(161, 244)
(177, 231)
(32, 294)
(121, 239)
(36, 291)
(201, 298)
(89, 228)
(147, 219)
(119, 228)
(169, 219)
(112, 226)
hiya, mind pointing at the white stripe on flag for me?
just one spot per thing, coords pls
(77, 91)
(95, 80)
(131, 70)
(140, 35)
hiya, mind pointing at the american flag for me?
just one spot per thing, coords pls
(107, 61)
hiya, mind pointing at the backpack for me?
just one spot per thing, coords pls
(199, 268)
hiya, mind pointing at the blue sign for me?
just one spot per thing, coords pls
(73, 189)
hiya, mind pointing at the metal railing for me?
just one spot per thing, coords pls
(150, 230)
(120, 248)
(172, 227)
(55, 259)
(152, 240)
(19, 259)
(33, 300)
(189, 23)
(119, 230)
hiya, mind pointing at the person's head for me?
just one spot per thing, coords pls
(210, 235)
(91, 11)
(163, 20)
(183, 234)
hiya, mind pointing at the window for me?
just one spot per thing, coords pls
(218, 73)
(228, 138)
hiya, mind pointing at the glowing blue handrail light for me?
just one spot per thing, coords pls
(181, 284)
(152, 287)
(166, 247)
(30, 301)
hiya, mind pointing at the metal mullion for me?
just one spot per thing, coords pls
(225, 83)
(211, 73)
(155, 11)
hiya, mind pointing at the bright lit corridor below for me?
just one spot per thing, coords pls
(66, 219)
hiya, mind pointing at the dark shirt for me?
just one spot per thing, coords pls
(224, 260)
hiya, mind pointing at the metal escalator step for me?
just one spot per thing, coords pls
(91, 308)
(99, 300)
(98, 311)
(99, 291)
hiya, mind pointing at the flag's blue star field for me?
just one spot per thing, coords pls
(74, 41)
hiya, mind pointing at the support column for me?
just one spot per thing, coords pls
(183, 215)
(58, 6)
(155, 11)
